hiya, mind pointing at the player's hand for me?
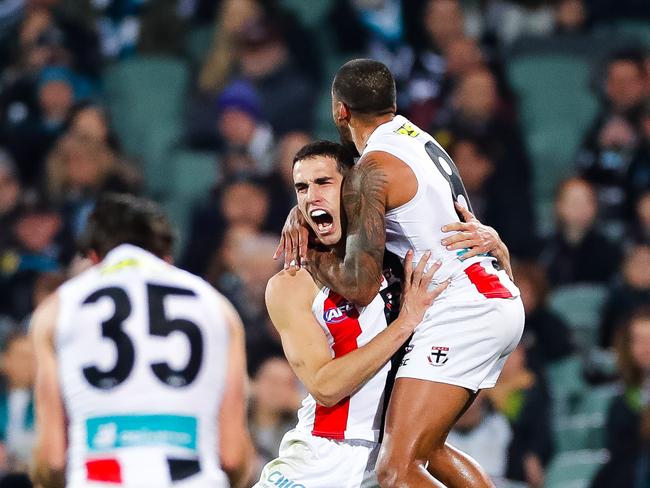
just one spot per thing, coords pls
(294, 240)
(470, 234)
(417, 297)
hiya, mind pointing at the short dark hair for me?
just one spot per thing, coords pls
(366, 86)
(126, 219)
(344, 160)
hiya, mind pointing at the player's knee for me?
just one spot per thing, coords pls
(438, 459)
(392, 472)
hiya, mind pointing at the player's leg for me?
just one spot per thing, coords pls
(457, 458)
(420, 415)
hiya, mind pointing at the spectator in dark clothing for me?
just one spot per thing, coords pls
(10, 192)
(79, 169)
(578, 251)
(231, 17)
(476, 109)
(31, 139)
(571, 17)
(640, 230)
(275, 399)
(236, 125)
(268, 201)
(484, 435)
(494, 196)
(610, 144)
(388, 31)
(224, 210)
(38, 243)
(522, 396)
(607, 11)
(628, 421)
(280, 182)
(92, 120)
(288, 95)
(546, 337)
(633, 291)
(240, 269)
(637, 181)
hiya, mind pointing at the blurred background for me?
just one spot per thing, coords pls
(201, 105)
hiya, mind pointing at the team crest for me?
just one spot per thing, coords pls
(438, 355)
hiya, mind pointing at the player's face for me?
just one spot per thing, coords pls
(317, 182)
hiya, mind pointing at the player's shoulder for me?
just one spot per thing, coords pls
(190, 280)
(290, 286)
(85, 279)
(43, 320)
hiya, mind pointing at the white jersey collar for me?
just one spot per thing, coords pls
(397, 121)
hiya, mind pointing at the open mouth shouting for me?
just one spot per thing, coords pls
(323, 221)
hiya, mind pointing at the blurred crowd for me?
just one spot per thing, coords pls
(258, 75)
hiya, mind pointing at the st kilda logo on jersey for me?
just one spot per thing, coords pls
(438, 355)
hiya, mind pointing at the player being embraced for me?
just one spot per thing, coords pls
(339, 351)
(140, 367)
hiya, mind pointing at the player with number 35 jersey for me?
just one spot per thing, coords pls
(147, 362)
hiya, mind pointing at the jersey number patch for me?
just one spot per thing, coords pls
(449, 170)
(159, 326)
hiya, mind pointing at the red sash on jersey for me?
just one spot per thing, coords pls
(489, 285)
(342, 320)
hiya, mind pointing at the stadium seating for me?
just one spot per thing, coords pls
(147, 96)
(193, 174)
(638, 30)
(574, 469)
(580, 306)
(556, 106)
(198, 44)
(312, 14)
(579, 417)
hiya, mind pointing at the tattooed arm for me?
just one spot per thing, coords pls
(355, 271)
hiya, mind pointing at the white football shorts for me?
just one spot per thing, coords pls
(307, 461)
(464, 340)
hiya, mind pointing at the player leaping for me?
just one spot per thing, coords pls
(401, 193)
(339, 351)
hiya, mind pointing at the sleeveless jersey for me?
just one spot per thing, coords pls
(417, 224)
(347, 328)
(142, 356)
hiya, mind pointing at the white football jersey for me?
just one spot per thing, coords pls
(417, 224)
(142, 354)
(347, 328)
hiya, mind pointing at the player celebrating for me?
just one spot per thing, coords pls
(140, 366)
(403, 190)
(338, 350)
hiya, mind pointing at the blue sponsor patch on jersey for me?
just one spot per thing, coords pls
(123, 431)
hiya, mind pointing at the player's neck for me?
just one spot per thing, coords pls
(364, 127)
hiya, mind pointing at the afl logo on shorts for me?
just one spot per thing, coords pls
(438, 356)
(337, 314)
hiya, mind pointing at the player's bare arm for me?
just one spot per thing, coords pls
(48, 470)
(356, 274)
(289, 298)
(236, 448)
(354, 271)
